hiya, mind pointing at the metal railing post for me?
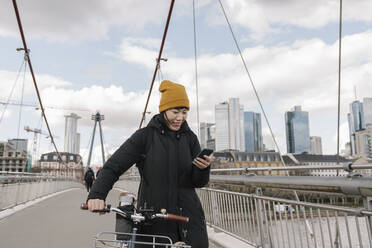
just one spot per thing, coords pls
(215, 208)
(368, 206)
(260, 219)
(18, 191)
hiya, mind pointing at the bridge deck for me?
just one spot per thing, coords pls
(56, 222)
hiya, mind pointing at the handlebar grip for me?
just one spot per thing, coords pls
(107, 208)
(178, 218)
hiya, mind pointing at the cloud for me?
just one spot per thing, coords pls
(264, 17)
(56, 20)
(79, 20)
(74, 21)
(121, 109)
(9, 79)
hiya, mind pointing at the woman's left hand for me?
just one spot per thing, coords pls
(202, 163)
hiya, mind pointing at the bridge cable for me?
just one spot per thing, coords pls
(104, 142)
(158, 60)
(20, 106)
(196, 69)
(87, 147)
(11, 92)
(34, 79)
(339, 85)
(40, 126)
(338, 108)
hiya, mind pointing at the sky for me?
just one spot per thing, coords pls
(101, 57)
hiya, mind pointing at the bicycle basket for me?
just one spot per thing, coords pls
(109, 240)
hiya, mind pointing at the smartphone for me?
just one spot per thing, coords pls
(205, 152)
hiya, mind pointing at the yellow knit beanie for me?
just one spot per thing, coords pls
(173, 95)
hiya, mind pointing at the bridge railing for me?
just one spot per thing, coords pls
(265, 221)
(273, 222)
(17, 188)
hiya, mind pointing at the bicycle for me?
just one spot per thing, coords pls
(137, 217)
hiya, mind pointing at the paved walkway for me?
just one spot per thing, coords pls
(56, 222)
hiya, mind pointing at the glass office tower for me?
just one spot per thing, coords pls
(253, 132)
(297, 131)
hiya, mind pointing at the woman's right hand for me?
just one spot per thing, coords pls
(96, 204)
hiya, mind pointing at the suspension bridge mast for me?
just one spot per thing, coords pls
(97, 118)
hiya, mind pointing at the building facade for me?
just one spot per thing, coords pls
(315, 160)
(207, 135)
(72, 138)
(253, 132)
(13, 155)
(71, 164)
(316, 145)
(297, 131)
(356, 122)
(235, 159)
(236, 130)
(229, 127)
(363, 143)
(367, 109)
(222, 126)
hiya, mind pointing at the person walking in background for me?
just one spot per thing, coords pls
(98, 171)
(165, 152)
(89, 178)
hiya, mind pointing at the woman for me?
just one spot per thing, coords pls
(164, 153)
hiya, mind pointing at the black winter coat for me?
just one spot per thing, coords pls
(168, 178)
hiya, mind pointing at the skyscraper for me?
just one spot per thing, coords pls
(222, 126)
(367, 108)
(253, 132)
(72, 138)
(356, 122)
(316, 145)
(297, 130)
(205, 134)
(236, 129)
(229, 125)
(363, 143)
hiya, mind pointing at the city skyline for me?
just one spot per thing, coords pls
(223, 109)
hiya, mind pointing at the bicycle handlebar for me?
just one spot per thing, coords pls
(171, 217)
